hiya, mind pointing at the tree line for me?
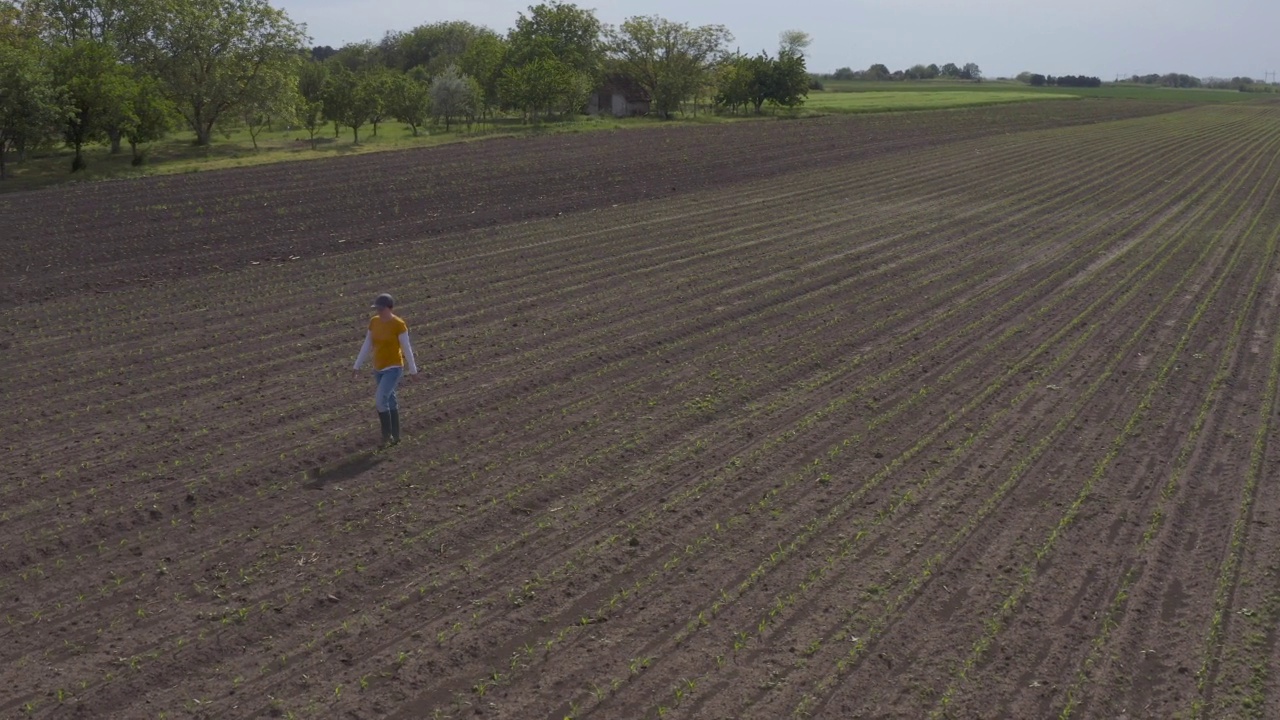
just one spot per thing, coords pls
(81, 72)
(1182, 80)
(880, 73)
(1038, 80)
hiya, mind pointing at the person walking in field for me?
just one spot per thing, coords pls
(387, 344)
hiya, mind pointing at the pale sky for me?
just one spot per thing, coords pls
(1205, 38)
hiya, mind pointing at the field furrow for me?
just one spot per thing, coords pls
(957, 414)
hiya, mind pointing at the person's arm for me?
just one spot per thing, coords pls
(364, 350)
(411, 367)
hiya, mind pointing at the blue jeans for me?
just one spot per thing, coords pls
(385, 398)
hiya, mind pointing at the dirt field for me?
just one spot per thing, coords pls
(968, 414)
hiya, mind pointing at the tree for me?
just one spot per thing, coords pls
(320, 53)
(153, 116)
(212, 54)
(734, 78)
(538, 86)
(435, 46)
(410, 100)
(21, 24)
(788, 84)
(123, 24)
(950, 70)
(379, 85)
(563, 31)
(759, 70)
(484, 60)
(793, 42)
(878, 71)
(453, 95)
(348, 101)
(31, 106)
(971, 72)
(12, 31)
(274, 98)
(358, 56)
(783, 81)
(309, 108)
(100, 90)
(668, 60)
(844, 73)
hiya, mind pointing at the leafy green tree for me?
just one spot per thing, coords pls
(669, 60)
(309, 108)
(788, 84)
(734, 78)
(274, 98)
(484, 60)
(31, 105)
(145, 115)
(434, 46)
(380, 86)
(123, 24)
(213, 54)
(21, 24)
(562, 31)
(539, 86)
(11, 30)
(878, 71)
(100, 90)
(971, 71)
(845, 73)
(755, 80)
(950, 70)
(358, 56)
(410, 100)
(153, 115)
(349, 100)
(744, 81)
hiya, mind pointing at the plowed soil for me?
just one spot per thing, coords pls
(952, 414)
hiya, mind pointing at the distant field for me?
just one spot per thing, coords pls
(1120, 91)
(863, 101)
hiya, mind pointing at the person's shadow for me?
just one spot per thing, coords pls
(346, 469)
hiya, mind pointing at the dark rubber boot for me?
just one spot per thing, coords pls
(395, 426)
(385, 419)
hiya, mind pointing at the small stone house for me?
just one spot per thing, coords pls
(618, 96)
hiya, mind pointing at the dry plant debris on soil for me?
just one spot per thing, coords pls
(955, 414)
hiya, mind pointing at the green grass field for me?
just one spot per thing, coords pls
(867, 101)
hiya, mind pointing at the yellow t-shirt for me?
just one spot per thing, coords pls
(386, 341)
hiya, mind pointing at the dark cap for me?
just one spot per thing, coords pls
(384, 301)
